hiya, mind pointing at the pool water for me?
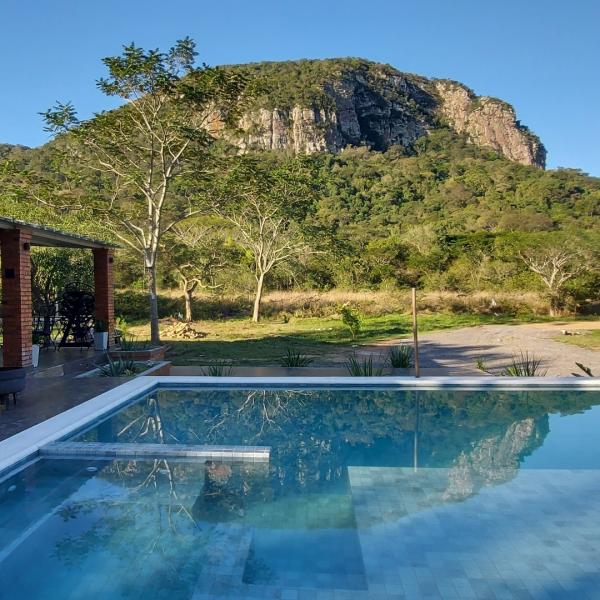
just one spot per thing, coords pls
(367, 494)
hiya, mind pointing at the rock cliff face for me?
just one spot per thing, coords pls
(358, 103)
(489, 122)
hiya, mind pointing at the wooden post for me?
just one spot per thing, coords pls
(415, 334)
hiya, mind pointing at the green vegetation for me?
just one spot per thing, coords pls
(401, 357)
(295, 359)
(352, 319)
(589, 339)
(131, 343)
(220, 368)
(442, 215)
(244, 343)
(287, 84)
(524, 365)
(362, 368)
(120, 368)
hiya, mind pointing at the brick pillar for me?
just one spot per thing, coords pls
(16, 297)
(104, 290)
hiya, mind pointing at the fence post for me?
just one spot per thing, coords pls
(415, 334)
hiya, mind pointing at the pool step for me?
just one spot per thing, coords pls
(104, 450)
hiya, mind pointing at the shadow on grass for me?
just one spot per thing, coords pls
(324, 341)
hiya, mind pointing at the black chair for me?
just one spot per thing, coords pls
(76, 318)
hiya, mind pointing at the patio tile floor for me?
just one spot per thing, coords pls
(46, 397)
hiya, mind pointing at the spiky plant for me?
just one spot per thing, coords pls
(220, 368)
(118, 368)
(295, 359)
(364, 368)
(525, 365)
(401, 357)
(130, 343)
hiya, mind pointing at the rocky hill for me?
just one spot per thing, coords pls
(312, 106)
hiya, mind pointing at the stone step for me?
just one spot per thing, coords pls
(234, 454)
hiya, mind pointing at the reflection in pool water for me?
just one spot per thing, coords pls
(373, 493)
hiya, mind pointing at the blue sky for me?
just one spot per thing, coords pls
(539, 55)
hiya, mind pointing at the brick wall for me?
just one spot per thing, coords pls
(16, 297)
(104, 290)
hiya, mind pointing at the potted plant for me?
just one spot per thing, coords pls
(36, 338)
(100, 335)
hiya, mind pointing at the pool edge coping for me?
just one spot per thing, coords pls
(25, 445)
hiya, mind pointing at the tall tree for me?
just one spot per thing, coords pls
(140, 152)
(268, 205)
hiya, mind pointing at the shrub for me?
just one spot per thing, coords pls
(119, 368)
(221, 368)
(130, 343)
(401, 357)
(352, 319)
(524, 365)
(364, 368)
(295, 359)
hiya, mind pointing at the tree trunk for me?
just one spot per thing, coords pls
(557, 304)
(258, 298)
(154, 332)
(187, 297)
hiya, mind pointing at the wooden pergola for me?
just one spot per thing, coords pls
(16, 240)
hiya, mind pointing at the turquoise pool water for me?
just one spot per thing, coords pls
(368, 494)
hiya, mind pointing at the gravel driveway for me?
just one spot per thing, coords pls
(455, 352)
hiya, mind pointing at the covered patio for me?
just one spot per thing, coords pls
(16, 240)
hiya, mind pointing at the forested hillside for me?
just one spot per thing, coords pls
(438, 212)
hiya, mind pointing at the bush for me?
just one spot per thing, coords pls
(352, 319)
(401, 357)
(364, 368)
(295, 359)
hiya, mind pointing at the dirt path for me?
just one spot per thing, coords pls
(456, 351)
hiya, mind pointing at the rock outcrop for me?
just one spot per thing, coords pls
(489, 122)
(358, 103)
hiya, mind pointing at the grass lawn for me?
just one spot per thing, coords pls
(245, 343)
(589, 339)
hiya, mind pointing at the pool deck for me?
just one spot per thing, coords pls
(47, 397)
(52, 388)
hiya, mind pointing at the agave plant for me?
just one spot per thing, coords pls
(130, 343)
(401, 357)
(525, 365)
(364, 368)
(295, 359)
(585, 369)
(220, 368)
(118, 368)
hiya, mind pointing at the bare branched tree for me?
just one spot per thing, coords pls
(555, 267)
(199, 255)
(266, 208)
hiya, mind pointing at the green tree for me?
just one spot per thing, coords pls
(140, 152)
(266, 206)
(200, 254)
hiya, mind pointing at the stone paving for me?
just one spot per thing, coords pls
(535, 537)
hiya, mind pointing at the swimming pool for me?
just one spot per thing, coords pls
(348, 491)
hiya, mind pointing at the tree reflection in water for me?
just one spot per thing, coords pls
(314, 435)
